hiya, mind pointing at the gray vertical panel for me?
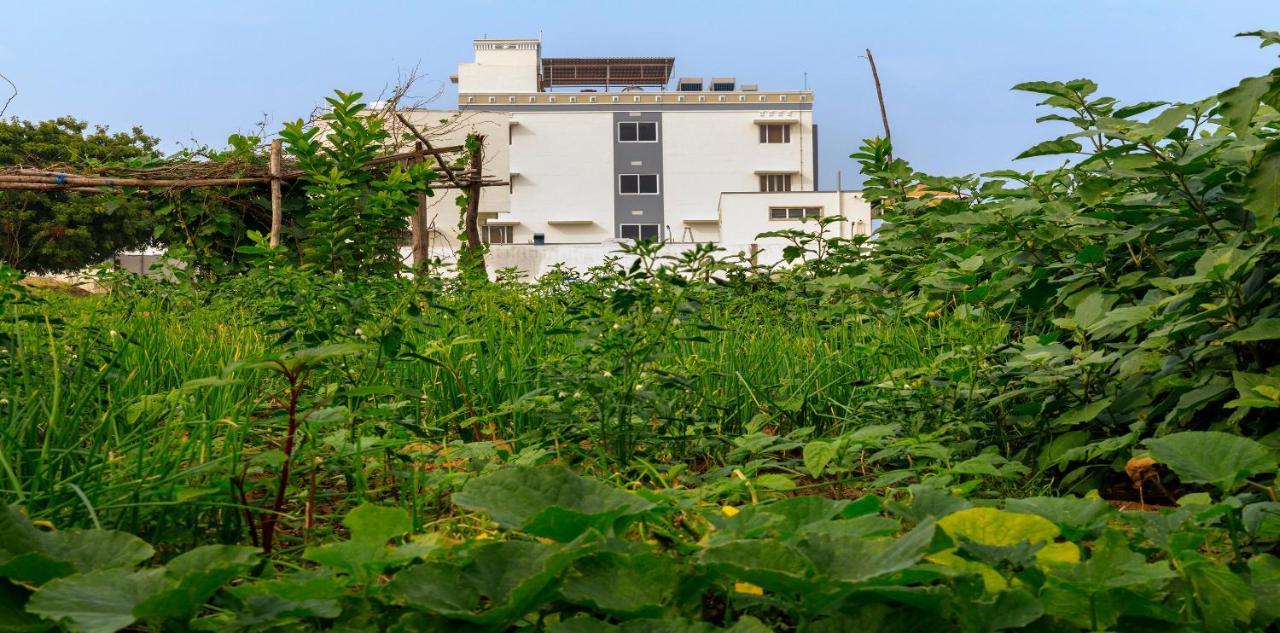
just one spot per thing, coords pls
(650, 155)
(815, 158)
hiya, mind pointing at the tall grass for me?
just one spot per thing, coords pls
(102, 426)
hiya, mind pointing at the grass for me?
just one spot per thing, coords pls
(105, 428)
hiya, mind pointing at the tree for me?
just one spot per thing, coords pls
(57, 231)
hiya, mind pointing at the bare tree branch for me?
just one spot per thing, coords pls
(11, 97)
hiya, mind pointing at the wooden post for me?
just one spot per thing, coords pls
(755, 254)
(277, 204)
(472, 220)
(418, 228)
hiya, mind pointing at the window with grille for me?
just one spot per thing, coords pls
(794, 213)
(638, 132)
(775, 133)
(638, 232)
(775, 182)
(498, 234)
(638, 184)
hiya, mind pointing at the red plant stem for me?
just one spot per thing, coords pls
(269, 521)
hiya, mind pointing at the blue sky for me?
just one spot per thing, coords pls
(202, 70)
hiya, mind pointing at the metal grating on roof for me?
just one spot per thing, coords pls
(606, 71)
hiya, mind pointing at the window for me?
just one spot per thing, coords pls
(775, 133)
(638, 184)
(638, 132)
(775, 182)
(497, 235)
(794, 213)
(638, 232)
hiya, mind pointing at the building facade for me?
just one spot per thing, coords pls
(604, 149)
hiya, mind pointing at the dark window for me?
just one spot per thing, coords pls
(638, 232)
(635, 184)
(794, 213)
(724, 87)
(775, 133)
(775, 182)
(638, 132)
(690, 87)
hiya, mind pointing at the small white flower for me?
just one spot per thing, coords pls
(606, 374)
(657, 309)
(4, 401)
(114, 333)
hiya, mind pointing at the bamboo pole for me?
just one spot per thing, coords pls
(277, 203)
(884, 115)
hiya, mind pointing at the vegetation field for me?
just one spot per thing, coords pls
(1034, 401)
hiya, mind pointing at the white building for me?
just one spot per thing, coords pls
(600, 149)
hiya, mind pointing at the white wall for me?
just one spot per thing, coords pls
(564, 162)
(743, 216)
(706, 153)
(501, 69)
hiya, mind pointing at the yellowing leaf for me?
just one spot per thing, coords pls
(990, 526)
(990, 578)
(729, 511)
(747, 588)
(1058, 553)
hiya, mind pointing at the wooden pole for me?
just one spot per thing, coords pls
(884, 115)
(472, 220)
(418, 228)
(277, 201)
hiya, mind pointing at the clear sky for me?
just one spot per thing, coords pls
(202, 70)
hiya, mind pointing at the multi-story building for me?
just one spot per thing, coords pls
(600, 149)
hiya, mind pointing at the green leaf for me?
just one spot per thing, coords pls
(1264, 577)
(1224, 599)
(772, 565)
(1220, 459)
(1260, 330)
(97, 602)
(192, 578)
(635, 585)
(1077, 518)
(548, 501)
(1080, 415)
(368, 551)
(1240, 104)
(1047, 148)
(817, 454)
(498, 583)
(854, 559)
(1263, 185)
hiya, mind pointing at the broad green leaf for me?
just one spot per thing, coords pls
(1263, 186)
(1080, 415)
(771, 564)
(1264, 577)
(1047, 148)
(817, 454)
(635, 585)
(548, 501)
(1220, 459)
(1240, 104)
(1077, 518)
(1224, 600)
(856, 560)
(368, 550)
(193, 577)
(97, 602)
(1260, 330)
(498, 583)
